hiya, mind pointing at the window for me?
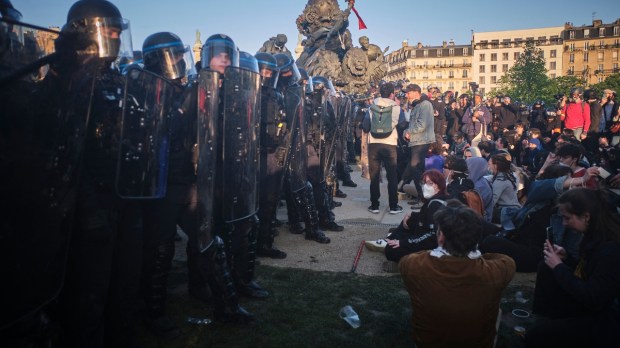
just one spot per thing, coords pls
(516, 55)
(552, 76)
(493, 68)
(571, 34)
(413, 54)
(600, 79)
(600, 68)
(504, 67)
(601, 44)
(451, 85)
(553, 53)
(451, 74)
(586, 45)
(451, 51)
(493, 79)
(494, 43)
(572, 47)
(482, 69)
(542, 54)
(586, 33)
(465, 51)
(542, 40)
(571, 70)
(506, 43)
(464, 73)
(482, 80)
(464, 86)
(615, 67)
(601, 32)
(505, 56)
(493, 57)
(585, 56)
(465, 62)
(571, 58)
(616, 31)
(552, 66)
(600, 56)
(482, 57)
(439, 52)
(614, 55)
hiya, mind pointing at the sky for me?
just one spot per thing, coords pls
(251, 22)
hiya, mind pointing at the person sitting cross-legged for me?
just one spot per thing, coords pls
(455, 290)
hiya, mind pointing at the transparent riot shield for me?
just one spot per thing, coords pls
(241, 119)
(23, 50)
(142, 168)
(298, 154)
(205, 152)
(42, 148)
(330, 133)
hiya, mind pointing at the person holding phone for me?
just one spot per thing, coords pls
(578, 297)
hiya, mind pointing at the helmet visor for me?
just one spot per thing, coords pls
(104, 37)
(172, 60)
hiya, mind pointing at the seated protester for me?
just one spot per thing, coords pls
(569, 155)
(531, 156)
(577, 298)
(417, 232)
(458, 145)
(434, 160)
(505, 188)
(471, 151)
(524, 244)
(455, 171)
(477, 167)
(455, 290)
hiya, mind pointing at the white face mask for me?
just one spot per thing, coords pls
(428, 191)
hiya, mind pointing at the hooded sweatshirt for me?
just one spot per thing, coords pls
(477, 167)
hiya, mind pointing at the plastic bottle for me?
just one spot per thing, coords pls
(348, 314)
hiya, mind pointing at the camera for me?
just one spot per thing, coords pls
(559, 96)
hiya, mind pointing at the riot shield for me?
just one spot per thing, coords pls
(207, 86)
(330, 133)
(142, 168)
(240, 146)
(298, 152)
(40, 160)
(23, 48)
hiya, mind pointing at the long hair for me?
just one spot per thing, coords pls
(438, 178)
(603, 226)
(503, 165)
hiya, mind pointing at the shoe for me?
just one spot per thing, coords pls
(331, 226)
(296, 228)
(336, 204)
(270, 252)
(349, 183)
(417, 206)
(252, 290)
(396, 210)
(318, 236)
(376, 245)
(390, 267)
(163, 327)
(236, 315)
(373, 209)
(340, 194)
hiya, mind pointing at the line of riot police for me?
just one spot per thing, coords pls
(98, 176)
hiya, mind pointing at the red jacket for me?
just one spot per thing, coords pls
(576, 115)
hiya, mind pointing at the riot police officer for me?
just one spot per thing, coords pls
(236, 160)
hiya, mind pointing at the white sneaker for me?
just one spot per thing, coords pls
(376, 245)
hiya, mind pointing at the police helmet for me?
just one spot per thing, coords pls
(322, 84)
(268, 69)
(289, 74)
(99, 26)
(305, 80)
(215, 46)
(248, 62)
(164, 54)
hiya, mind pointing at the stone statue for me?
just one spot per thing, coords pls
(276, 45)
(329, 52)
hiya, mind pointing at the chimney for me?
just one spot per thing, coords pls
(451, 42)
(597, 23)
(444, 44)
(420, 45)
(405, 43)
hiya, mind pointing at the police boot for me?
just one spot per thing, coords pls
(326, 215)
(266, 232)
(294, 218)
(310, 216)
(227, 307)
(244, 255)
(155, 278)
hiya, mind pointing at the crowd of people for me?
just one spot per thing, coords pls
(121, 152)
(535, 177)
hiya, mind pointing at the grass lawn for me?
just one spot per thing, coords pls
(303, 312)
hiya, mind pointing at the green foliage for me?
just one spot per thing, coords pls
(611, 82)
(527, 79)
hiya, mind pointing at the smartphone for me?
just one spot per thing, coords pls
(550, 235)
(603, 173)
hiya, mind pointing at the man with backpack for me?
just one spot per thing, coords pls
(380, 121)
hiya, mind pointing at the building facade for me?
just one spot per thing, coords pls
(496, 52)
(591, 52)
(447, 66)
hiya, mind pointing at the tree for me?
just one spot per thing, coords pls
(527, 79)
(561, 85)
(611, 82)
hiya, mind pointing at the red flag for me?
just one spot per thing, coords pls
(361, 23)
